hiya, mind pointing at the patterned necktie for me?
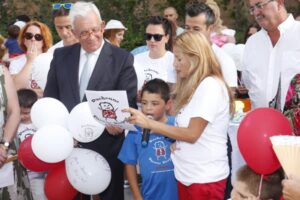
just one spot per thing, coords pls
(85, 76)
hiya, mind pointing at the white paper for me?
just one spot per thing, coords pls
(7, 175)
(107, 106)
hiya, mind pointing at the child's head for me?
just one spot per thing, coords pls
(155, 99)
(26, 98)
(13, 31)
(247, 184)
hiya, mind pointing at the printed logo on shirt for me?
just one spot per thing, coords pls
(161, 156)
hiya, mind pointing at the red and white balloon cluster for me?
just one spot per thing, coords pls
(51, 150)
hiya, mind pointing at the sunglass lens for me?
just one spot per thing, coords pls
(68, 5)
(148, 36)
(56, 6)
(38, 37)
(157, 37)
(28, 36)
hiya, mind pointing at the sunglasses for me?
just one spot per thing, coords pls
(156, 37)
(29, 36)
(57, 6)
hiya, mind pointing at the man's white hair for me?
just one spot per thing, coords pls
(82, 9)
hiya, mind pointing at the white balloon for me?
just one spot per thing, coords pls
(40, 68)
(52, 143)
(48, 111)
(82, 125)
(88, 171)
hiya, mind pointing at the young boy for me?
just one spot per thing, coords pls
(27, 98)
(156, 167)
(247, 185)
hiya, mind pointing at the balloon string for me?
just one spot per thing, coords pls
(260, 185)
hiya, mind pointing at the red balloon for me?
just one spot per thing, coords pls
(30, 161)
(254, 141)
(57, 185)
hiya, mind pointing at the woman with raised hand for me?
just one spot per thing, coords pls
(203, 103)
(35, 38)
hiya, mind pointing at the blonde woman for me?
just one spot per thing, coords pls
(203, 104)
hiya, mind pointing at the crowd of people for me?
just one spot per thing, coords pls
(182, 78)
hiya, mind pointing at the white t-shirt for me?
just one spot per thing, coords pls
(17, 64)
(155, 68)
(206, 160)
(39, 71)
(41, 66)
(227, 66)
(25, 130)
(263, 63)
(57, 45)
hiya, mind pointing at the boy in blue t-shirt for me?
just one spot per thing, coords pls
(156, 167)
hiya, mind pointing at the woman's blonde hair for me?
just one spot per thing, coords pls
(203, 63)
(218, 25)
(110, 34)
(45, 32)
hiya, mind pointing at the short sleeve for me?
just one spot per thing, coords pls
(128, 153)
(208, 99)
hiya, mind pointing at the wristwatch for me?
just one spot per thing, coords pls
(5, 144)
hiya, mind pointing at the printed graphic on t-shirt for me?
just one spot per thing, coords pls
(160, 157)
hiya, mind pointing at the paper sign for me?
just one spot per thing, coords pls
(7, 175)
(107, 106)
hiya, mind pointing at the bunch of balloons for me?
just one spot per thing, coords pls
(51, 150)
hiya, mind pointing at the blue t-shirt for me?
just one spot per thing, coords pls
(156, 167)
(13, 46)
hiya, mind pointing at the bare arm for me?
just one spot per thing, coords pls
(133, 181)
(21, 79)
(190, 134)
(13, 114)
(13, 109)
(291, 189)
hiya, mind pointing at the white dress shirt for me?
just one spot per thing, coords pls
(94, 57)
(263, 63)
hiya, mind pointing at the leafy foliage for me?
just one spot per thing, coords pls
(132, 13)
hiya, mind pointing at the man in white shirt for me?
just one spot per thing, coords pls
(200, 17)
(272, 55)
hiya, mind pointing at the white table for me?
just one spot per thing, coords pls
(236, 158)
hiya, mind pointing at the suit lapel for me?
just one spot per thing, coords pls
(102, 66)
(73, 62)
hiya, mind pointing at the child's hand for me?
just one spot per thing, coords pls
(114, 130)
(173, 147)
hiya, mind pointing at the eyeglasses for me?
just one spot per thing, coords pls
(57, 6)
(86, 34)
(29, 36)
(259, 6)
(156, 37)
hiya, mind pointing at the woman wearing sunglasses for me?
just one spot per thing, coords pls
(158, 61)
(35, 38)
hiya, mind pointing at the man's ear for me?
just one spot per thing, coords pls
(210, 28)
(74, 33)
